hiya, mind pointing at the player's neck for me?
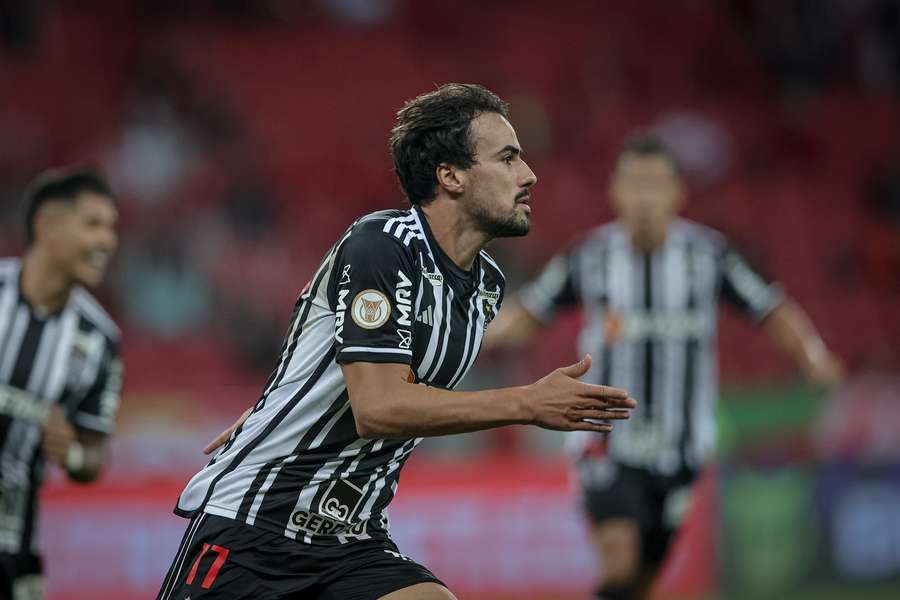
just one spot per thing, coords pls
(455, 233)
(42, 284)
(647, 245)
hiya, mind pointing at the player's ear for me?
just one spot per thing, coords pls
(451, 178)
(47, 220)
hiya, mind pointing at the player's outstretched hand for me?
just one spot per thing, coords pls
(828, 371)
(223, 437)
(559, 401)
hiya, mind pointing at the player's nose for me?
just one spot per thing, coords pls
(528, 177)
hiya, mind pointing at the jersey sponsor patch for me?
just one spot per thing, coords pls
(345, 276)
(436, 279)
(371, 309)
(309, 522)
(405, 336)
(341, 500)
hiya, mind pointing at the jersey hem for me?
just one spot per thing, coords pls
(272, 527)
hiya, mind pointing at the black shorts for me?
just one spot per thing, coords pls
(657, 502)
(17, 568)
(224, 559)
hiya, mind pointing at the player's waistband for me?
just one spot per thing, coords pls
(306, 526)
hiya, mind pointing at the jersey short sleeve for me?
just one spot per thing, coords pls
(554, 289)
(374, 289)
(744, 288)
(97, 409)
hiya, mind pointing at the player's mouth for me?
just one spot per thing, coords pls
(522, 199)
(99, 259)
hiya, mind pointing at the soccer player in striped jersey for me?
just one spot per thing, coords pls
(293, 505)
(60, 372)
(649, 285)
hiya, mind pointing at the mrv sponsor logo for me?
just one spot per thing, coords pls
(403, 296)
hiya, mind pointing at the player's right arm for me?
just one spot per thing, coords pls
(513, 327)
(375, 281)
(386, 405)
(553, 290)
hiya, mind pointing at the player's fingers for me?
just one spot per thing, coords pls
(614, 396)
(579, 368)
(220, 439)
(589, 426)
(589, 413)
(223, 437)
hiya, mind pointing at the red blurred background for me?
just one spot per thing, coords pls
(243, 137)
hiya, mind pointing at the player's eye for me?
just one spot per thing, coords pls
(508, 159)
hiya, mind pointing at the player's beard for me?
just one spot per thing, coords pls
(512, 224)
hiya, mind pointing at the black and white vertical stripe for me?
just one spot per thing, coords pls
(651, 323)
(301, 439)
(69, 359)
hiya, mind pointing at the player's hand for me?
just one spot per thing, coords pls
(559, 401)
(828, 371)
(223, 437)
(58, 436)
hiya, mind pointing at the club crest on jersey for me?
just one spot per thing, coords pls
(370, 309)
(489, 304)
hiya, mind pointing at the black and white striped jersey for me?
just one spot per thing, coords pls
(385, 292)
(650, 323)
(70, 359)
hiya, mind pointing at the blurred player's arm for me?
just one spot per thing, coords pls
(77, 442)
(786, 323)
(387, 405)
(793, 332)
(79, 451)
(555, 289)
(513, 327)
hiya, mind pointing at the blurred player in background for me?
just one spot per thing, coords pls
(294, 503)
(60, 373)
(650, 284)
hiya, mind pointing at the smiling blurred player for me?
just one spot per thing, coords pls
(60, 373)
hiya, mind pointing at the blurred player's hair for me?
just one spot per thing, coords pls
(645, 144)
(60, 185)
(434, 128)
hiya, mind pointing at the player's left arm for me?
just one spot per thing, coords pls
(785, 322)
(77, 442)
(80, 452)
(793, 332)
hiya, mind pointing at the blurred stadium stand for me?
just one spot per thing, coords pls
(243, 137)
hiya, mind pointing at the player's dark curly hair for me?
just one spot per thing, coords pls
(60, 185)
(434, 128)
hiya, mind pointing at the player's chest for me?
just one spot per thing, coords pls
(670, 281)
(446, 326)
(45, 357)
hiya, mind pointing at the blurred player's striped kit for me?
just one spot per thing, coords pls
(650, 322)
